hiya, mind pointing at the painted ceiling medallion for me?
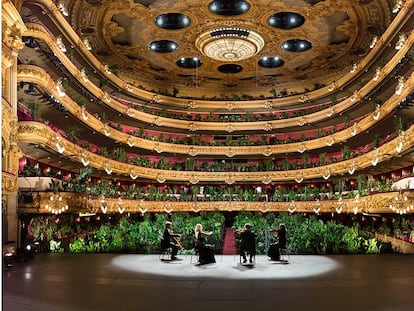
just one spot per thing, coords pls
(230, 44)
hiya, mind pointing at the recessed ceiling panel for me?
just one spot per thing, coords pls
(286, 20)
(296, 45)
(172, 21)
(189, 62)
(230, 68)
(163, 46)
(271, 62)
(229, 7)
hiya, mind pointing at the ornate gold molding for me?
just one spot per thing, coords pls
(82, 203)
(35, 132)
(37, 75)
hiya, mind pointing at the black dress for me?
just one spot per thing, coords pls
(205, 251)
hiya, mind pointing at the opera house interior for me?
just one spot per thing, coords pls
(120, 118)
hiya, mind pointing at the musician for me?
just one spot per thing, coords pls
(247, 243)
(274, 248)
(170, 240)
(205, 251)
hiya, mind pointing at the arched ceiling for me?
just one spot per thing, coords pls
(270, 46)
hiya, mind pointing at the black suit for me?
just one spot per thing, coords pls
(167, 242)
(247, 244)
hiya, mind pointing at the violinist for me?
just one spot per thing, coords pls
(171, 239)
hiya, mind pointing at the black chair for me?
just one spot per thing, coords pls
(166, 250)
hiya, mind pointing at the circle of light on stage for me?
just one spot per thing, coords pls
(227, 267)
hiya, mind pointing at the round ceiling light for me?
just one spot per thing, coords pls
(189, 62)
(286, 20)
(229, 44)
(229, 7)
(230, 68)
(296, 45)
(271, 62)
(163, 46)
(172, 21)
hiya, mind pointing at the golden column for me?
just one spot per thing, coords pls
(12, 30)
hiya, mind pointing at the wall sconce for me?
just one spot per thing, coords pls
(268, 104)
(143, 211)
(128, 87)
(330, 112)
(229, 180)
(229, 106)
(401, 40)
(302, 121)
(354, 96)
(332, 87)
(192, 127)
(84, 159)
(303, 98)
(330, 141)
(397, 6)
(155, 99)
(106, 98)
(351, 169)
(107, 70)
(129, 112)
(302, 148)
(84, 76)
(157, 121)
(84, 113)
(108, 168)
(375, 159)
(193, 179)
(62, 9)
(194, 208)
(354, 129)
(192, 152)
(377, 112)
(292, 207)
(317, 207)
(268, 127)
(327, 174)
(60, 45)
(299, 179)
(121, 207)
(267, 151)
(106, 130)
(59, 87)
(191, 104)
(354, 68)
(59, 143)
(400, 142)
(129, 141)
(377, 74)
(230, 152)
(400, 85)
(87, 44)
(160, 178)
(373, 42)
(266, 179)
(104, 206)
(229, 128)
(157, 147)
(133, 174)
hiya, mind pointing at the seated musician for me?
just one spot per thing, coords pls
(170, 240)
(205, 251)
(274, 249)
(247, 243)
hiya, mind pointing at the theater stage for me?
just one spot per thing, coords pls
(143, 282)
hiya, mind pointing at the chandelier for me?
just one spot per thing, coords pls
(56, 205)
(401, 204)
(229, 44)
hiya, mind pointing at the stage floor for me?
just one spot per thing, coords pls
(144, 282)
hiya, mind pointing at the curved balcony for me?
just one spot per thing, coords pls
(34, 132)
